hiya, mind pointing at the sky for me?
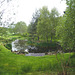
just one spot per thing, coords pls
(24, 9)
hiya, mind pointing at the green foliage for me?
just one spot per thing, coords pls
(54, 17)
(43, 23)
(11, 63)
(47, 23)
(8, 46)
(20, 28)
(60, 27)
(32, 26)
(3, 31)
(53, 44)
(70, 25)
(66, 27)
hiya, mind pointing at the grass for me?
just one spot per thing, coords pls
(12, 64)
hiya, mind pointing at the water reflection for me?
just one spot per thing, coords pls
(24, 46)
(19, 45)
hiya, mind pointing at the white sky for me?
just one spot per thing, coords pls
(24, 9)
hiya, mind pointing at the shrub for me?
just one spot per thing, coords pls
(8, 46)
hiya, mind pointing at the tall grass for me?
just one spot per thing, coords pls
(27, 67)
(12, 64)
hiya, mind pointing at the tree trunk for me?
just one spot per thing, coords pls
(38, 38)
(51, 39)
(47, 38)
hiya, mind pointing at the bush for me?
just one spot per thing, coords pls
(8, 46)
(14, 38)
(43, 47)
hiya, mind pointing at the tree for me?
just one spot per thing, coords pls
(60, 27)
(67, 28)
(20, 27)
(29, 29)
(47, 23)
(66, 32)
(43, 23)
(34, 21)
(3, 31)
(54, 17)
(32, 28)
(70, 25)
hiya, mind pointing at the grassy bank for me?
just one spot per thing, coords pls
(12, 64)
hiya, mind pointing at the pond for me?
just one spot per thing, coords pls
(22, 46)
